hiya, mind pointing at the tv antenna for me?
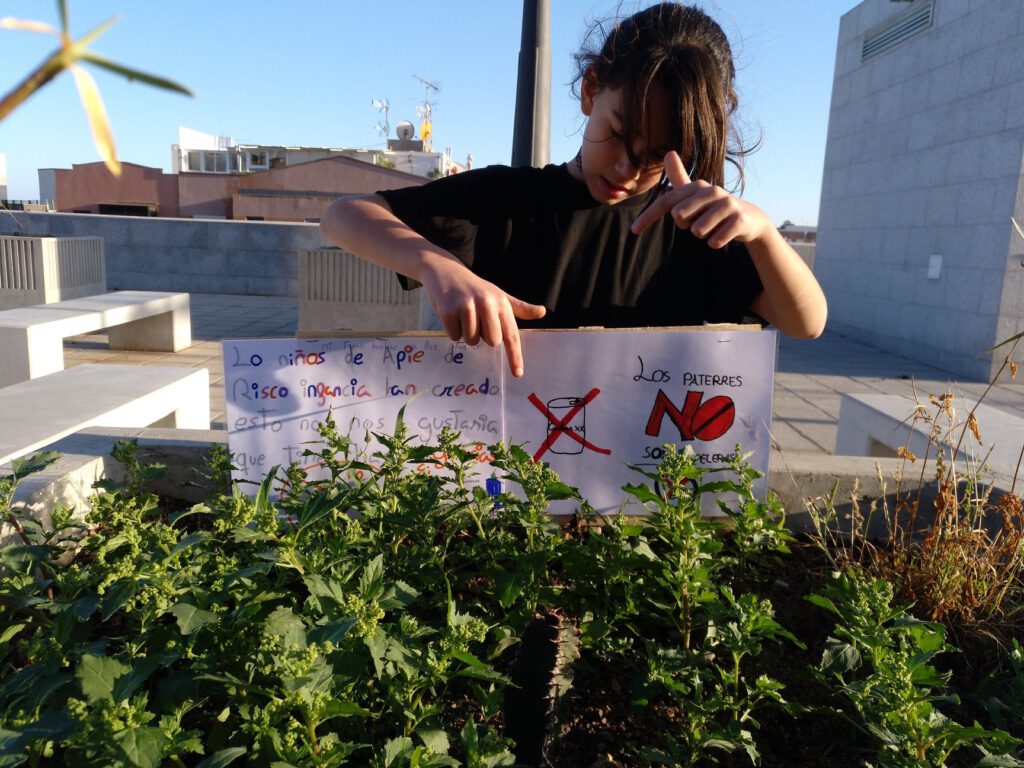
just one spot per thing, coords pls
(382, 106)
(424, 111)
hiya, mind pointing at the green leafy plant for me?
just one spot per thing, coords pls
(883, 661)
(382, 616)
(661, 604)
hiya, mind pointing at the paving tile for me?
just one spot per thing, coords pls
(788, 440)
(821, 432)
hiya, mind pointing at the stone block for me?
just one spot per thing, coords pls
(1000, 161)
(903, 171)
(930, 168)
(881, 74)
(894, 246)
(300, 237)
(941, 205)
(161, 259)
(1009, 68)
(939, 83)
(925, 129)
(260, 236)
(959, 242)
(901, 280)
(143, 233)
(962, 284)
(921, 240)
(1001, 26)
(965, 157)
(226, 235)
(990, 296)
(113, 229)
(860, 84)
(241, 262)
(974, 333)
(1011, 304)
(976, 203)
(202, 261)
(949, 43)
(977, 71)
(989, 110)
(989, 244)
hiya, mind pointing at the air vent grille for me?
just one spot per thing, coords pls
(896, 33)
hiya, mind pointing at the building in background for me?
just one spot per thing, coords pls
(215, 178)
(3, 176)
(916, 250)
(801, 239)
(198, 152)
(794, 233)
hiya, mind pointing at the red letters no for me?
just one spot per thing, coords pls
(697, 420)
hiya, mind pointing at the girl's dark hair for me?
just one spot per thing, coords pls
(683, 50)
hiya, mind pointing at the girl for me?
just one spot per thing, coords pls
(602, 240)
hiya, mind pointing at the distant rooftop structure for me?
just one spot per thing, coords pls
(794, 233)
(3, 176)
(198, 152)
(215, 177)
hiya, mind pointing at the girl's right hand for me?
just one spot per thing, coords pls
(471, 308)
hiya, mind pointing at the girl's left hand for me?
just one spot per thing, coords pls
(709, 212)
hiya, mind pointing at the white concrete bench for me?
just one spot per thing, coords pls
(38, 412)
(878, 425)
(32, 338)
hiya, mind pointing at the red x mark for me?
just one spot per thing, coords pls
(562, 427)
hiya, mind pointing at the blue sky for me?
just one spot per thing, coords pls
(305, 73)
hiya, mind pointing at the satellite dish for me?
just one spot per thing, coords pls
(405, 130)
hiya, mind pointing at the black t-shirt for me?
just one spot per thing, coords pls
(539, 235)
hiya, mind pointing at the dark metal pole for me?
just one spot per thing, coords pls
(531, 137)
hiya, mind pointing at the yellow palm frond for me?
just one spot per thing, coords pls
(94, 110)
(26, 25)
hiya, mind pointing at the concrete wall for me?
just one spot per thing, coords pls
(924, 158)
(198, 256)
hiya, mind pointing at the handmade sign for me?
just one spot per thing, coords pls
(591, 404)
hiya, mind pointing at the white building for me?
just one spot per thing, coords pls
(198, 152)
(3, 176)
(916, 249)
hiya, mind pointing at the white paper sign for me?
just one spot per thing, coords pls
(601, 401)
(591, 403)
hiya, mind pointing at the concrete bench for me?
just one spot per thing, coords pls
(878, 425)
(38, 412)
(32, 338)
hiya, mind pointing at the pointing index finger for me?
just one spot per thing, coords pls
(675, 170)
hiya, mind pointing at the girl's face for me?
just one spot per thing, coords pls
(609, 174)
